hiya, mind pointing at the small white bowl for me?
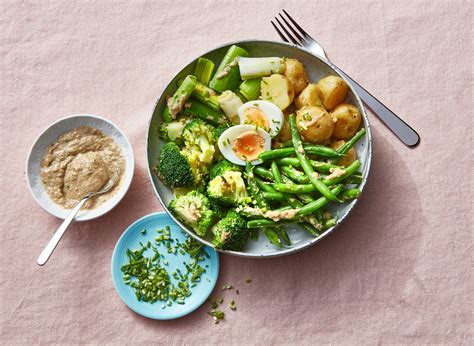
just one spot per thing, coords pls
(49, 135)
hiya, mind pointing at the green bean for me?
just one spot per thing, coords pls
(329, 223)
(294, 174)
(262, 222)
(317, 204)
(292, 201)
(267, 174)
(264, 186)
(310, 229)
(349, 170)
(253, 188)
(294, 188)
(284, 235)
(254, 234)
(305, 165)
(350, 194)
(319, 166)
(272, 236)
(309, 149)
(307, 188)
(305, 198)
(343, 149)
(264, 173)
(273, 196)
(354, 179)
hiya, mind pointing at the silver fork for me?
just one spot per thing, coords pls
(299, 37)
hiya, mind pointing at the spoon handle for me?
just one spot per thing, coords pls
(48, 250)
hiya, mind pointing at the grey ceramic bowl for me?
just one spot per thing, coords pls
(316, 69)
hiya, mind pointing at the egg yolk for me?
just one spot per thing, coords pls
(256, 116)
(248, 145)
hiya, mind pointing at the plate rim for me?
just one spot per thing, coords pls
(146, 314)
(351, 205)
(127, 182)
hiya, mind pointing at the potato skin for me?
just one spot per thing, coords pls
(285, 132)
(295, 72)
(350, 156)
(314, 124)
(277, 89)
(308, 97)
(332, 91)
(347, 121)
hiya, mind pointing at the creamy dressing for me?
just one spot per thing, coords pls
(78, 162)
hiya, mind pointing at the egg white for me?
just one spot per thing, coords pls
(273, 112)
(227, 139)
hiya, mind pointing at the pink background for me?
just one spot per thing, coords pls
(398, 271)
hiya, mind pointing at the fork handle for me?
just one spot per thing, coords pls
(401, 129)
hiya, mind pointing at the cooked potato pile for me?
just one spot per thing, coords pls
(322, 115)
(332, 90)
(314, 124)
(308, 97)
(295, 72)
(277, 89)
(347, 118)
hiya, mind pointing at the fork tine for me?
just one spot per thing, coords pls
(287, 33)
(304, 33)
(302, 40)
(279, 32)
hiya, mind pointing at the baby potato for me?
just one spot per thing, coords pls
(295, 72)
(314, 124)
(278, 90)
(285, 133)
(332, 90)
(347, 121)
(308, 97)
(350, 156)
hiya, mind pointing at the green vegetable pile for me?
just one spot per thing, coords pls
(295, 182)
(150, 279)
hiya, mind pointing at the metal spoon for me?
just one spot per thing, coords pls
(48, 250)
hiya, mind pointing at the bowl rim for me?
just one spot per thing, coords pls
(313, 241)
(126, 182)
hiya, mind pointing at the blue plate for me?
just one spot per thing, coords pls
(131, 239)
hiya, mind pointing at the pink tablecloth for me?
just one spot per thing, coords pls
(398, 271)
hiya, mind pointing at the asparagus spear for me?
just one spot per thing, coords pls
(199, 110)
(203, 70)
(177, 101)
(249, 90)
(227, 76)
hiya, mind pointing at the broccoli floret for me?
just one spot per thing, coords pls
(218, 209)
(230, 233)
(219, 130)
(221, 167)
(174, 168)
(228, 189)
(193, 209)
(172, 132)
(199, 139)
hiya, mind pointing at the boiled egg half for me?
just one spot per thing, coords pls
(263, 114)
(242, 143)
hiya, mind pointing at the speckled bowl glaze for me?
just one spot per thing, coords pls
(316, 69)
(49, 135)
